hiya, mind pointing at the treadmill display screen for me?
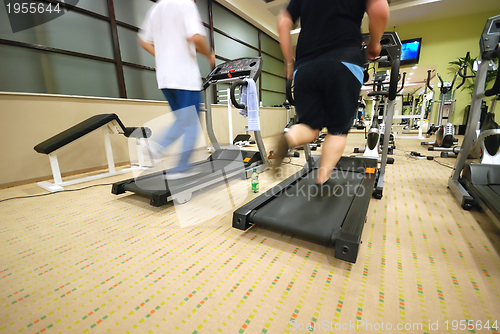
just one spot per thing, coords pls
(243, 67)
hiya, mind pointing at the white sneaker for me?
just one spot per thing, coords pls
(181, 175)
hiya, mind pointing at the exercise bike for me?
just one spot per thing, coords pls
(375, 135)
(486, 139)
(444, 134)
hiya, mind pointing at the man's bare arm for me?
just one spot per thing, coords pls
(285, 25)
(202, 48)
(378, 13)
(147, 46)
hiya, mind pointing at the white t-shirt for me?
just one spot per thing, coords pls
(168, 25)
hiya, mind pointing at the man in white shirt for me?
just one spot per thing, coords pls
(173, 32)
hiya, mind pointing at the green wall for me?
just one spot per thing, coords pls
(445, 40)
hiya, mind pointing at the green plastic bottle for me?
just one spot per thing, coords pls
(255, 181)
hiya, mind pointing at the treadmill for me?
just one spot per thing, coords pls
(335, 213)
(479, 183)
(223, 164)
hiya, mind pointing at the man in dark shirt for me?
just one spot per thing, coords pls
(328, 71)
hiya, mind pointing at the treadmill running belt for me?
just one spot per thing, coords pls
(304, 209)
(489, 195)
(156, 186)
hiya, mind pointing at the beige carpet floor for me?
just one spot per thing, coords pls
(89, 261)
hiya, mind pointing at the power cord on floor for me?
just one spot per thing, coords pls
(442, 164)
(420, 156)
(57, 192)
(289, 162)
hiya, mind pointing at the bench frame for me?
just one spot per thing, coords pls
(110, 128)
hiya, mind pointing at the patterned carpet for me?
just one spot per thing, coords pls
(89, 261)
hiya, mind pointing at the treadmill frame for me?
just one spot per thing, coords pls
(160, 197)
(347, 238)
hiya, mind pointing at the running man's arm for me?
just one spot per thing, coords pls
(285, 25)
(202, 48)
(378, 13)
(147, 46)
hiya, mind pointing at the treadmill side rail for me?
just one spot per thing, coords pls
(241, 219)
(117, 188)
(349, 237)
(461, 194)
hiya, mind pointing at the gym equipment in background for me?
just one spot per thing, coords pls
(375, 136)
(110, 124)
(359, 123)
(488, 123)
(241, 140)
(473, 183)
(444, 134)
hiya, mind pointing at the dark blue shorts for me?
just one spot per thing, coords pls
(326, 95)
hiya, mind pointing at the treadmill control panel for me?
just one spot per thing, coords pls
(241, 68)
(490, 39)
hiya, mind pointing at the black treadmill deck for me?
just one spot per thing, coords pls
(333, 215)
(307, 209)
(483, 183)
(159, 190)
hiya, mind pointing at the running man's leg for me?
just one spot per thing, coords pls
(300, 134)
(175, 131)
(308, 106)
(341, 100)
(332, 150)
(189, 103)
(297, 135)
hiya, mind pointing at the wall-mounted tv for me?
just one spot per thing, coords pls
(410, 52)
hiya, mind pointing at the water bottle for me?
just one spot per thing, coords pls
(255, 181)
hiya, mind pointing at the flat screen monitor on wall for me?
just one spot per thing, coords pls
(410, 52)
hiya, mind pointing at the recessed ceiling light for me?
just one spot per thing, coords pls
(414, 67)
(411, 73)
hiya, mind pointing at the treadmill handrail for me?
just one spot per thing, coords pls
(233, 97)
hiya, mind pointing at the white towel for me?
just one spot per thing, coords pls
(248, 97)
